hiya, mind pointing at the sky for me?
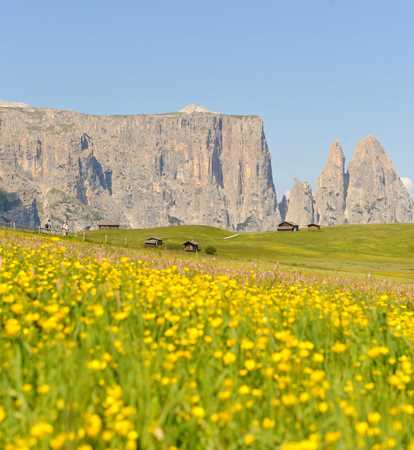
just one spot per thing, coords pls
(314, 70)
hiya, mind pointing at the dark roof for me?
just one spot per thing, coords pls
(152, 238)
(287, 223)
(191, 242)
(314, 225)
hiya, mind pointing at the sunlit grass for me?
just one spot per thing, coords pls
(378, 250)
(107, 352)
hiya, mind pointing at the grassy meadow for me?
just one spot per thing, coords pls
(379, 250)
(110, 346)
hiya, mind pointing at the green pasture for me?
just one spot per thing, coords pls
(379, 250)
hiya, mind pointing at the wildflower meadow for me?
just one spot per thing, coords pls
(117, 354)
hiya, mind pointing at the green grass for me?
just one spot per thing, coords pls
(97, 356)
(379, 250)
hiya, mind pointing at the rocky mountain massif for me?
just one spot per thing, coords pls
(370, 191)
(187, 167)
(192, 167)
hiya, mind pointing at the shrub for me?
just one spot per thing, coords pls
(210, 250)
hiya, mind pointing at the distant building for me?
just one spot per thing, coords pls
(287, 226)
(191, 246)
(314, 227)
(153, 242)
(108, 225)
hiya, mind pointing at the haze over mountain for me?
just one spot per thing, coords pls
(187, 167)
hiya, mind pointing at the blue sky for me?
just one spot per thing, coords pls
(315, 70)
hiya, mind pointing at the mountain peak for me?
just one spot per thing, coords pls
(370, 143)
(331, 188)
(194, 108)
(376, 193)
(336, 154)
(301, 204)
(7, 104)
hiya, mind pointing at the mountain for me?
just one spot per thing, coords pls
(331, 188)
(192, 167)
(370, 191)
(301, 204)
(376, 193)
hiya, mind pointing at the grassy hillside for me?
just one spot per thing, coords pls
(382, 250)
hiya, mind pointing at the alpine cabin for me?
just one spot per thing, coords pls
(153, 242)
(191, 246)
(102, 226)
(287, 226)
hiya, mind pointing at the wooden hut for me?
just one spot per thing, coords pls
(191, 246)
(102, 226)
(314, 227)
(153, 242)
(287, 226)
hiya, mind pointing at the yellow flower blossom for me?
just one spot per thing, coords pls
(93, 425)
(229, 358)
(339, 347)
(332, 436)
(198, 412)
(41, 429)
(12, 327)
(2, 414)
(43, 389)
(268, 423)
(249, 439)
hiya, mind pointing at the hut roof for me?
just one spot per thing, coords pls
(191, 242)
(290, 224)
(109, 225)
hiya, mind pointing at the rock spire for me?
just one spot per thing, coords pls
(301, 204)
(331, 188)
(376, 193)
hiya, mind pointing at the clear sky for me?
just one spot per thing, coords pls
(315, 70)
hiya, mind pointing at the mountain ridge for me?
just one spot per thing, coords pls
(193, 166)
(140, 170)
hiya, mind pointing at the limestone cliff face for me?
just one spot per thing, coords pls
(376, 193)
(301, 204)
(141, 171)
(331, 188)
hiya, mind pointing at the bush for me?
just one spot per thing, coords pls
(210, 250)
